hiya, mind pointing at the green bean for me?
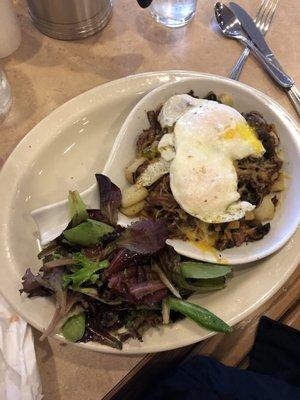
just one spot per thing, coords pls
(200, 315)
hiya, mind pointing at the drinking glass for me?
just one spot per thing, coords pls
(173, 13)
(5, 96)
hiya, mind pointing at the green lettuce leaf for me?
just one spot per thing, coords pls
(84, 271)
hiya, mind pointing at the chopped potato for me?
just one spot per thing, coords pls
(133, 194)
(134, 209)
(266, 210)
(233, 225)
(280, 154)
(249, 216)
(278, 186)
(153, 172)
(132, 167)
(226, 99)
(274, 137)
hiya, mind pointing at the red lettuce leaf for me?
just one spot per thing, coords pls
(50, 284)
(138, 321)
(35, 285)
(118, 284)
(123, 259)
(51, 281)
(97, 215)
(100, 319)
(144, 237)
(65, 300)
(126, 284)
(140, 290)
(102, 336)
(110, 198)
(152, 299)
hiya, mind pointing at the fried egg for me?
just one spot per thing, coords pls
(207, 137)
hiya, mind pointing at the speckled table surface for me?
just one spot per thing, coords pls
(44, 73)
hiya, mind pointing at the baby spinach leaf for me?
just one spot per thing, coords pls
(74, 328)
(88, 233)
(200, 270)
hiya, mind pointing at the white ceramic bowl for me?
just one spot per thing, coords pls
(287, 215)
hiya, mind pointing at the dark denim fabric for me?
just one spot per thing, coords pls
(273, 374)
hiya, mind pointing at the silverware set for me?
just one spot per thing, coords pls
(236, 23)
(263, 21)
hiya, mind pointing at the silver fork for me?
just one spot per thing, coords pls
(263, 21)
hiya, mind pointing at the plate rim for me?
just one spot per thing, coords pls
(172, 74)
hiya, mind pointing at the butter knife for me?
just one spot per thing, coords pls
(257, 38)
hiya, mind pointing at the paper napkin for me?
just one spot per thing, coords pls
(19, 375)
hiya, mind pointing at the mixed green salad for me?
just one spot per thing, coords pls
(112, 283)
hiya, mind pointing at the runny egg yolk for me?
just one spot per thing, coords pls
(206, 245)
(246, 133)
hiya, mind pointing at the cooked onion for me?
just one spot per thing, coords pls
(165, 280)
(165, 312)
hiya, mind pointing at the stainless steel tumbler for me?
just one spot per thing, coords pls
(69, 19)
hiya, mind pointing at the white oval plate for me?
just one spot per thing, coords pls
(63, 152)
(287, 216)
